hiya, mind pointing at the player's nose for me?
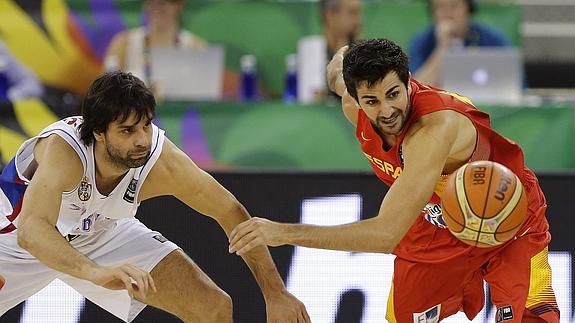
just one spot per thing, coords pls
(142, 139)
(386, 111)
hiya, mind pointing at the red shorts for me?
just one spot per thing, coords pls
(519, 277)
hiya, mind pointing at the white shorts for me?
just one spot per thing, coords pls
(129, 241)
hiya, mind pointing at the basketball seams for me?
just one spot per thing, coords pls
(485, 202)
(470, 225)
(514, 208)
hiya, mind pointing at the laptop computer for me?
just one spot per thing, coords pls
(188, 74)
(492, 75)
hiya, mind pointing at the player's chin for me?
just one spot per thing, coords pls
(137, 162)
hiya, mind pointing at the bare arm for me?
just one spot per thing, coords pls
(336, 83)
(176, 174)
(425, 153)
(37, 231)
(430, 71)
(117, 49)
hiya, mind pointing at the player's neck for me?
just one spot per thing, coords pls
(164, 36)
(108, 174)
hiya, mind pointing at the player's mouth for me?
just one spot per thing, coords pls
(389, 122)
(140, 154)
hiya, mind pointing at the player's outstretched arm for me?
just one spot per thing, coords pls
(425, 154)
(40, 210)
(176, 174)
(336, 83)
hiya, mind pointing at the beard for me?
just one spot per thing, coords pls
(116, 157)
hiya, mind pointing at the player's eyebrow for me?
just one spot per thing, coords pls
(127, 126)
(391, 90)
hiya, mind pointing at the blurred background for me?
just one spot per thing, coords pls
(240, 88)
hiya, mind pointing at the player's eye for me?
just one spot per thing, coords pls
(393, 95)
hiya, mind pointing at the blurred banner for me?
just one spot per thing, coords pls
(335, 286)
(275, 135)
(64, 42)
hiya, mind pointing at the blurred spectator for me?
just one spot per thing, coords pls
(452, 27)
(16, 81)
(130, 50)
(341, 21)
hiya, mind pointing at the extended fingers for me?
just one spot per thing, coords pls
(240, 230)
(142, 279)
(245, 241)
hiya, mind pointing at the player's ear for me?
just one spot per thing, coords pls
(99, 136)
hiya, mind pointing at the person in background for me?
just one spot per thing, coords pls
(452, 27)
(17, 82)
(342, 20)
(130, 50)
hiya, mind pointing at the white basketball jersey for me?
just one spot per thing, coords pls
(84, 210)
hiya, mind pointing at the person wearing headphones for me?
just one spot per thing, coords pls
(452, 27)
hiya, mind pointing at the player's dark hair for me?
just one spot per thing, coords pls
(370, 61)
(114, 96)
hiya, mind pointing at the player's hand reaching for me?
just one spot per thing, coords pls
(131, 278)
(285, 308)
(444, 33)
(334, 70)
(256, 232)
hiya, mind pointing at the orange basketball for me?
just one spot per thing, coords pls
(484, 204)
(2, 281)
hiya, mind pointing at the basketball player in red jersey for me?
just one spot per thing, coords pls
(415, 135)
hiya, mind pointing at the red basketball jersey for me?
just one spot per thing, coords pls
(426, 242)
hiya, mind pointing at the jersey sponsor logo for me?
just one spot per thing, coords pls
(85, 190)
(366, 139)
(504, 313)
(430, 315)
(160, 238)
(388, 168)
(131, 191)
(72, 121)
(434, 214)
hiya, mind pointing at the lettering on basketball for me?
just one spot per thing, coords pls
(479, 175)
(502, 188)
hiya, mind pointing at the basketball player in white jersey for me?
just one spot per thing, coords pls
(67, 206)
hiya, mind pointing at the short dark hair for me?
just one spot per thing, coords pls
(114, 96)
(370, 61)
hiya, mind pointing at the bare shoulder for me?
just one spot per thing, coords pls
(56, 158)
(448, 129)
(172, 168)
(444, 123)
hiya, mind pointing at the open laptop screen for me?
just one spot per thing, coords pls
(188, 74)
(486, 75)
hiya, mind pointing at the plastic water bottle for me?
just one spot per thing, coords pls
(4, 82)
(290, 90)
(249, 86)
